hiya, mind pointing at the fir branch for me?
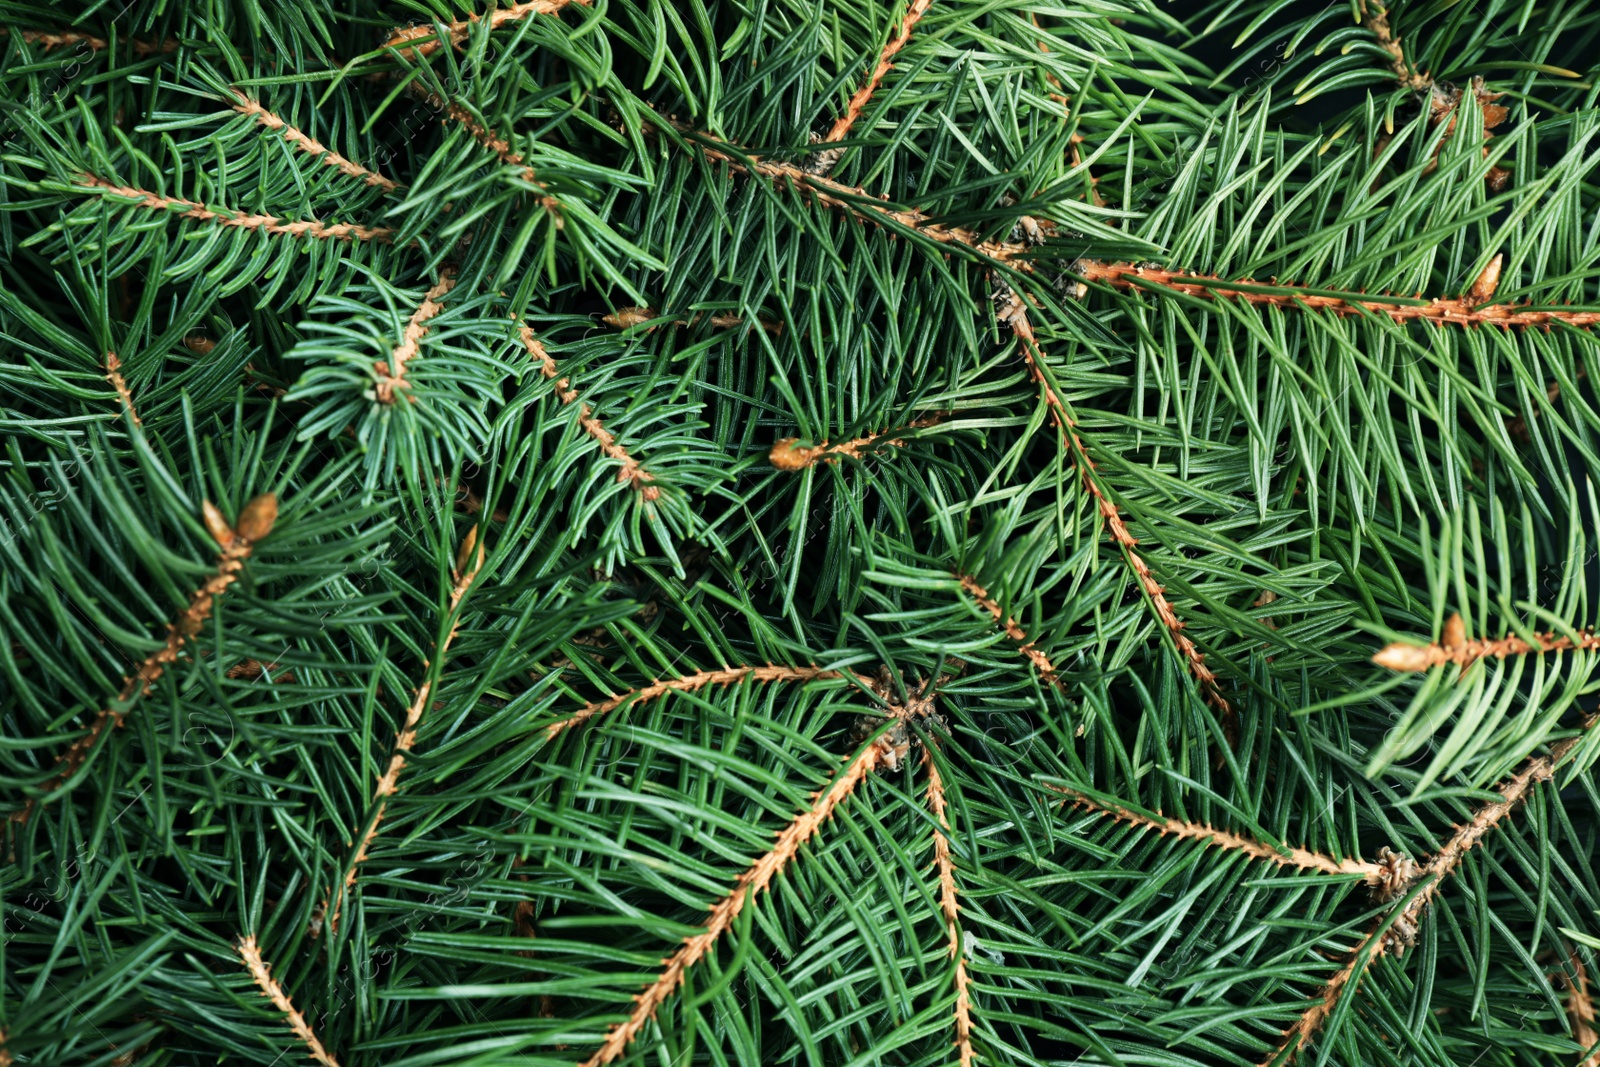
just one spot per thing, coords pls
(392, 375)
(1014, 313)
(687, 684)
(261, 972)
(491, 140)
(1013, 630)
(457, 31)
(722, 914)
(858, 100)
(1445, 311)
(1580, 1008)
(309, 145)
(951, 910)
(469, 560)
(1454, 647)
(340, 231)
(51, 39)
(1375, 17)
(1373, 874)
(236, 543)
(1395, 930)
(114, 376)
(630, 471)
(1441, 311)
(790, 455)
(629, 317)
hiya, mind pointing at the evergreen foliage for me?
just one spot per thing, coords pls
(799, 532)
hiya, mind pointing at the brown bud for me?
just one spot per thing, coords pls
(1455, 632)
(1482, 290)
(216, 524)
(789, 454)
(464, 553)
(199, 343)
(256, 518)
(623, 318)
(1398, 657)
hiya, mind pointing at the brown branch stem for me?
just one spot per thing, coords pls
(392, 374)
(309, 145)
(790, 455)
(261, 972)
(339, 231)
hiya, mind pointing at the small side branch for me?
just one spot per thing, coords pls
(429, 41)
(67, 38)
(309, 145)
(392, 375)
(469, 560)
(628, 318)
(261, 972)
(1015, 314)
(334, 231)
(1580, 1008)
(790, 455)
(630, 470)
(725, 911)
(235, 545)
(124, 394)
(1375, 17)
(1374, 874)
(951, 909)
(1455, 648)
(688, 684)
(491, 140)
(858, 101)
(1013, 630)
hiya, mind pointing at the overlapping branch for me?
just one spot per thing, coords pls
(392, 374)
(790, 455)
(52, 40)
(858, 100)
(1580, 1009)
(491, 140)
(1013, 630)
(630, 470)
(120, 384)
(327, 231)
(1454, 647)
(256, 520)
(261, 972)
(687, 684)
(469, 560)
(1375, 18)
(629, 317)
(951, 909)
(429, 40)
(1396, 928)
(722, 914)
(1374, 874)
(309, 145)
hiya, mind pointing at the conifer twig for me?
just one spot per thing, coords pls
(1013, 630)
(327, 231)
(1396, 928)
(457, 31)
(687, 684)
(261, 972)
(790, 455)
(392, 374)
(51, 40)
(256, 520)
(1015, 314)
(951, 909)
(630, 471)
(469, 560)
(309, 145)
(1400, 656)
(1375, 17)
(722, 914)
(627, 318)
(1297, 858)
(858, 100)
(491, 140)
(120, 384)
